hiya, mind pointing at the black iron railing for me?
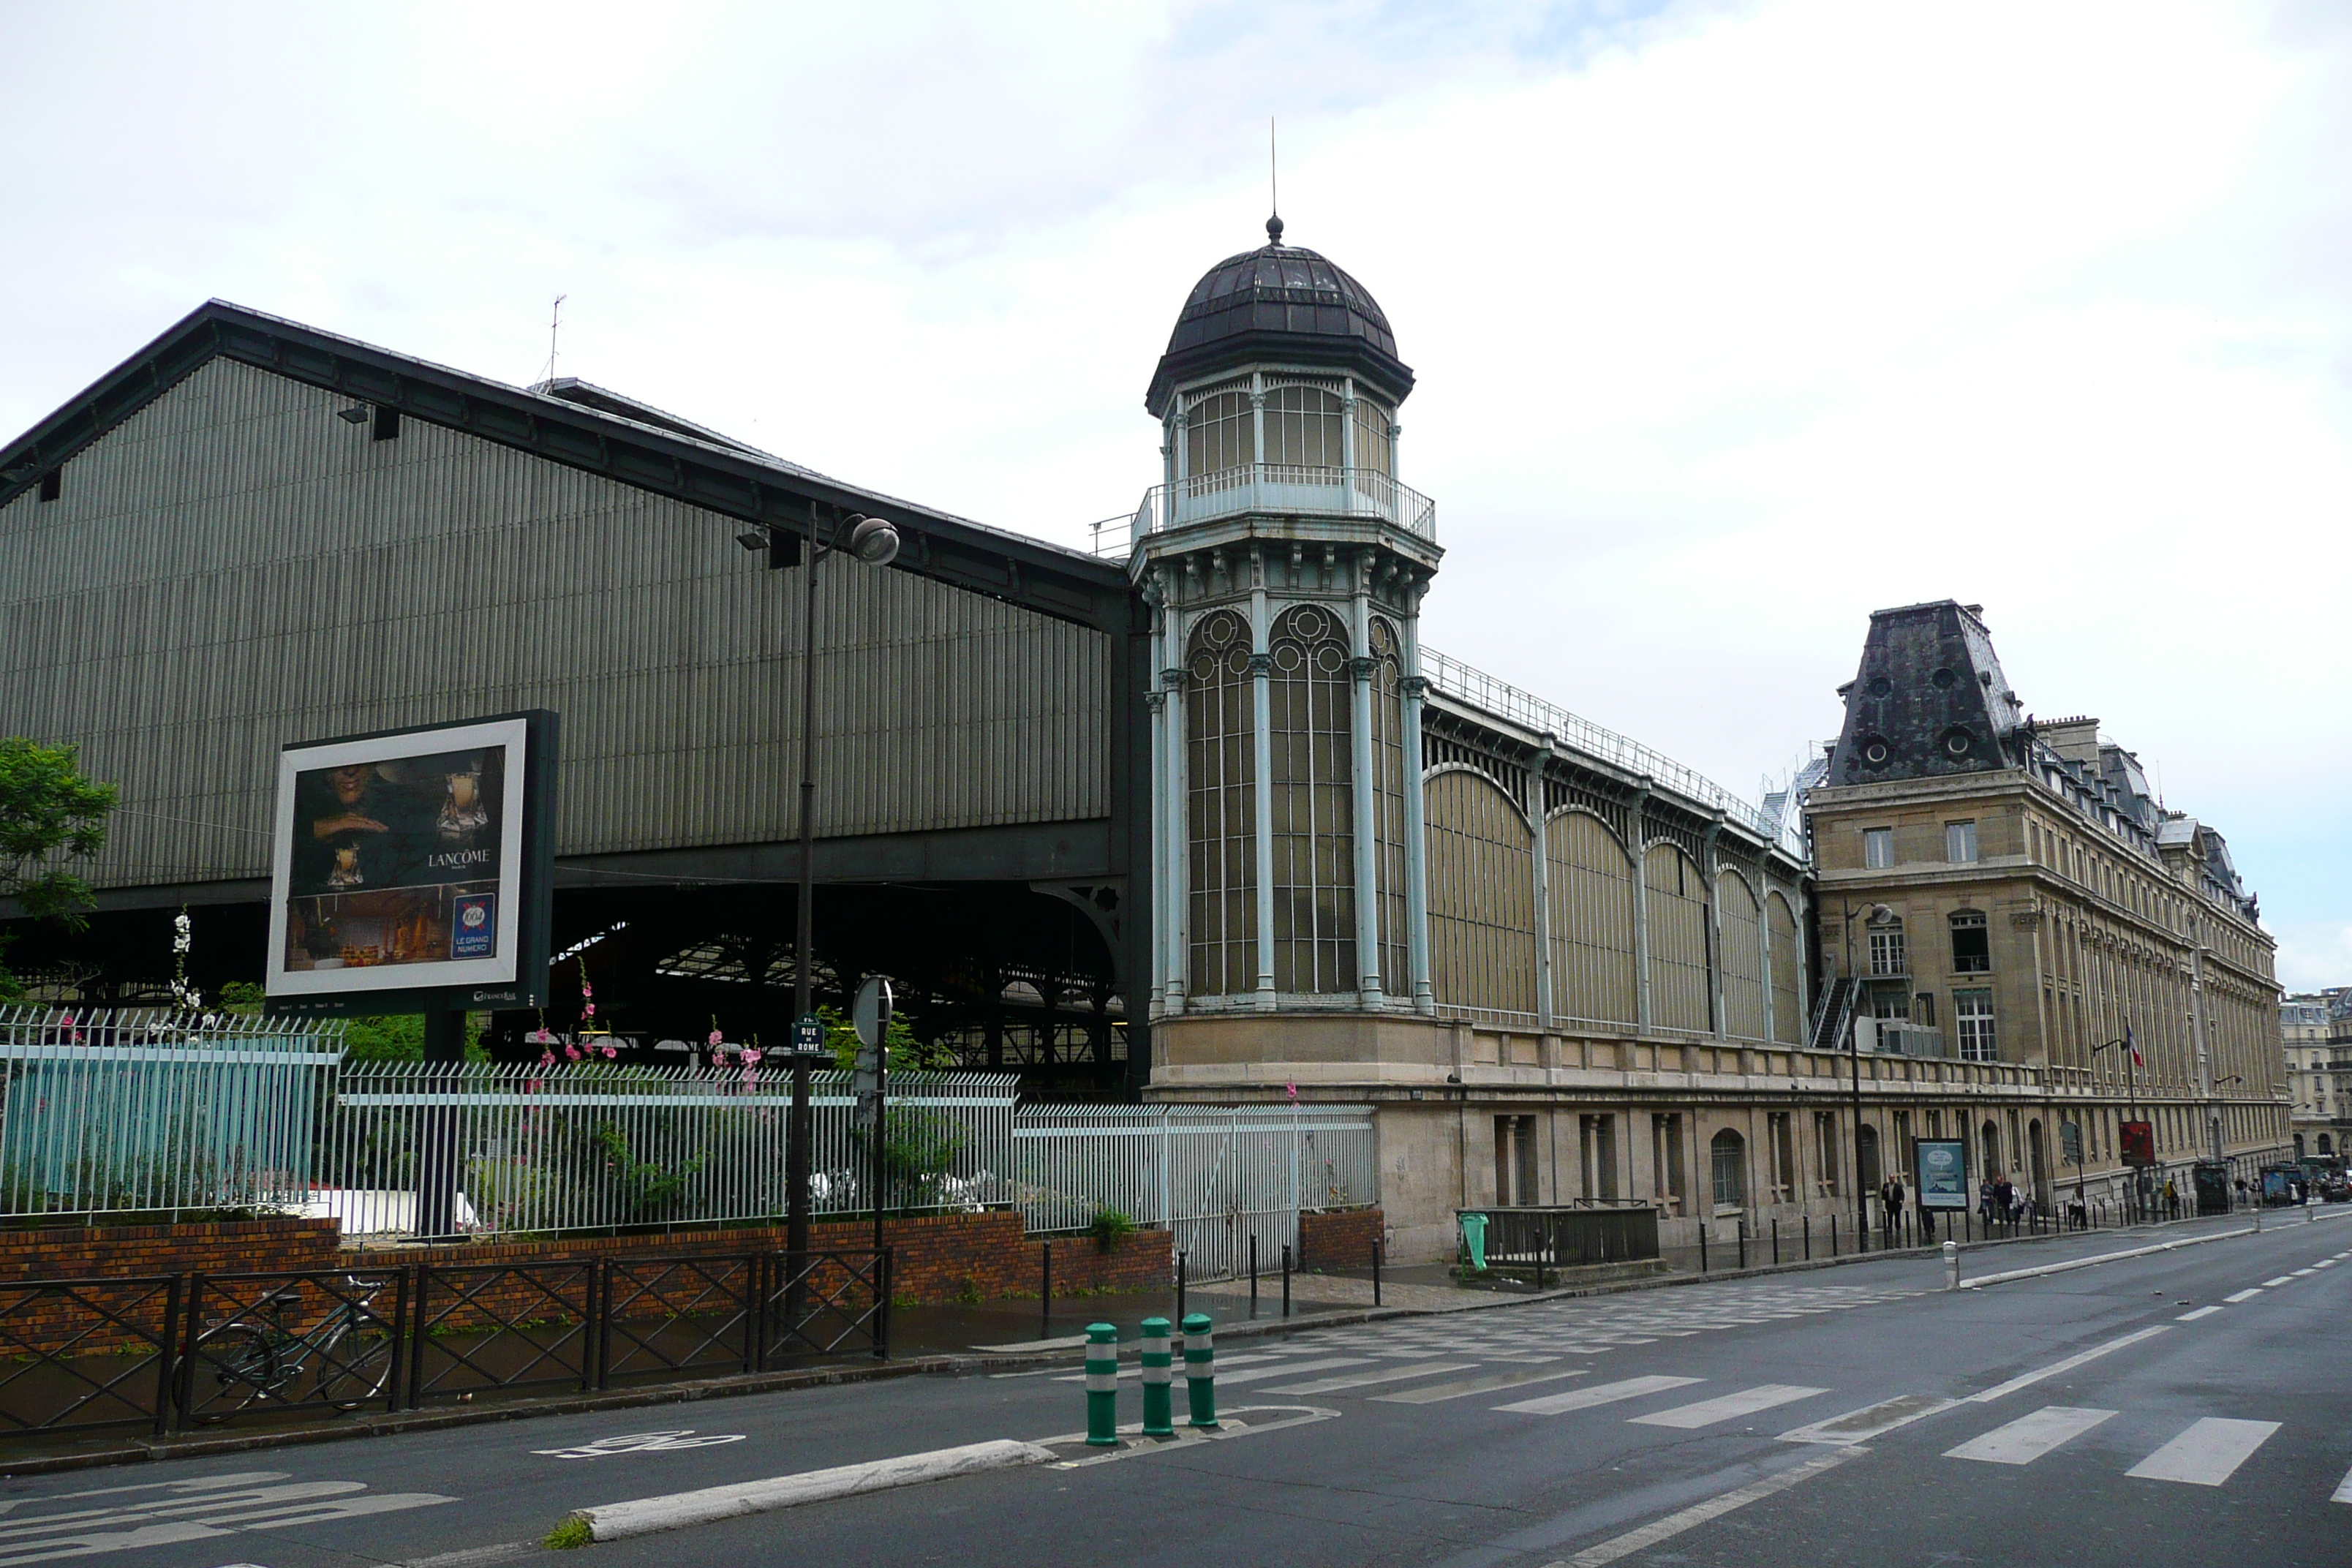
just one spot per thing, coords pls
(177, 1351)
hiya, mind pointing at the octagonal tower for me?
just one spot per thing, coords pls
(1286, 564)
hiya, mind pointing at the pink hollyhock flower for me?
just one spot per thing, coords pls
(751, 1056)
(572, 1052)
(547, 1058)
(610, 1053)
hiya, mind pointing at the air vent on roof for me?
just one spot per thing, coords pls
(53, 484)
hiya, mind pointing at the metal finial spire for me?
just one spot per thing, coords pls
(1274, 187)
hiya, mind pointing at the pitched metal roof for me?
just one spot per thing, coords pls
(582, 427)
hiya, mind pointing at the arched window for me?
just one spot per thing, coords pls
(1728, 1155)
(1388, 805)
(1482, 904)
(1591, 884)
(1743, 957)
(1677, 900)
(1302, 428)
(1788, 965)
(1375, 448)
(1311, 706)
(1989, 1150)
(1219, 435)
(1220, 762)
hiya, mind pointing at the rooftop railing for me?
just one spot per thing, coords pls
(1478, 690)
(1288, 489)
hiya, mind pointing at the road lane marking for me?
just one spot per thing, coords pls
(1599, 1394)
(2199, 1312)
(2301, 1272)
(2028, 1438)
(2207, 1453)
(1432, 1394)
(1871, 1420)
(1134, 1370)
(2325, 1263)
(2246, 1295)
(1728, 1406)
(2028, 1380)
(2274, 1284)
(1674, 1524)
(1380, 1374)
(1259, 1374)
(2343, 1488)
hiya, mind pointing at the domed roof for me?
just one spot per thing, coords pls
(1279, 302)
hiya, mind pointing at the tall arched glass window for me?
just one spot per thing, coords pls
(1388, 805)
(1219, 434)
(1219, 762)
(1375, 448)
(1728, 1155)
(1302, 428)
(1310, 710)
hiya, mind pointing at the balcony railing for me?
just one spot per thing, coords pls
(1289, 490)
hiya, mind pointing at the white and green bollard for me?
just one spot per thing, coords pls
(1200, 1372)
(1102, 1386)
(1158, 1417)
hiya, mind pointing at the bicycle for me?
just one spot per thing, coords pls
(258, 1358)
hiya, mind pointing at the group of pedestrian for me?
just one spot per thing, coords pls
(2001, 1200)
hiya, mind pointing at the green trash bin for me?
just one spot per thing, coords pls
(1473, 1240)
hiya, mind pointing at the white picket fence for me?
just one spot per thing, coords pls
(144, 1113)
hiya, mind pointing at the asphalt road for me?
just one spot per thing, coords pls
(2138, 1414)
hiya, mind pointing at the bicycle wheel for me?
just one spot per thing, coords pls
(355, 1366)
(242, 1362)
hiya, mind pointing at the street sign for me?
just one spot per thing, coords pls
(1943, 1174)
(2070, 1141)
(808, 1035)
(871, 1012)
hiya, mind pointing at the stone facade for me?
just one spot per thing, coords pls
(2315, 1032)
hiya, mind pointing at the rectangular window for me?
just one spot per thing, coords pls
(1923, 1008)
(1972, 944)
(1666, 1160)
(1972, 1018)
(1784, 1155)
(1886, 953)
(1960, 841)
(1878, 847)
(1825, 1147)
(1597, 1151)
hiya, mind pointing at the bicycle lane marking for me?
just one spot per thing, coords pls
(35, 1530)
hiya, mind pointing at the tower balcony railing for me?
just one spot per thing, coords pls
(1289, 490)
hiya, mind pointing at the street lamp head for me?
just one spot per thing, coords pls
(753, 538)
(872, 540)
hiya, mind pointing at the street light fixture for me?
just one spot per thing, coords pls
(874, 541)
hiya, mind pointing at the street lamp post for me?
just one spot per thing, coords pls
(876, 543)
(2131, 1094)
(2215, 1115)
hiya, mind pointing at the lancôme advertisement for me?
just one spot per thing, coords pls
(411, 869)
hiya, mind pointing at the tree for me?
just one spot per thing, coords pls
(50, 817)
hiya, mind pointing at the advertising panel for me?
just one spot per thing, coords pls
(411, 869)
(1943, 1174)
(2137, 1142)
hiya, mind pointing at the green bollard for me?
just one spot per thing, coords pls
(1158, 1418)
(1102, 1386)
(1200, 1372)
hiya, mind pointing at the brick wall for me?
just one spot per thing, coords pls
(936, 1257)
(1339, 1238)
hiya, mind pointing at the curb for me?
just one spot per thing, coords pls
(676, 1510)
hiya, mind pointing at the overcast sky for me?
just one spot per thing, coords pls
(1732, 321)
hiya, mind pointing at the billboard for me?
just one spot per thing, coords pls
(1943, 1174)
(412, 869)
(2137, 1140)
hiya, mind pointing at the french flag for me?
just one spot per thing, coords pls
(2133, 1047)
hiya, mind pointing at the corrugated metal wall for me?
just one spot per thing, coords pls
(235, 568)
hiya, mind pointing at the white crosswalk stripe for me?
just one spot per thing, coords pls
(1287, 1369)
(1871, 1421)
(2207, 1453)
(1599, 1394)
(1728, 1406)
(2343, 1488)
(2028, 1438)
(1492, 1383)
(1379, 1375)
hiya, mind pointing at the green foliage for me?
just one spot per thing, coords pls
(568, 1536)
(921, 1147)
(50, 816)
(651, 1188)
(906, 1053)
(1110, 1228)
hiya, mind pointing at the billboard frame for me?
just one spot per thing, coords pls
(512, 978)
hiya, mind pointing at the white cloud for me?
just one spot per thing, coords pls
(1733, 321)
